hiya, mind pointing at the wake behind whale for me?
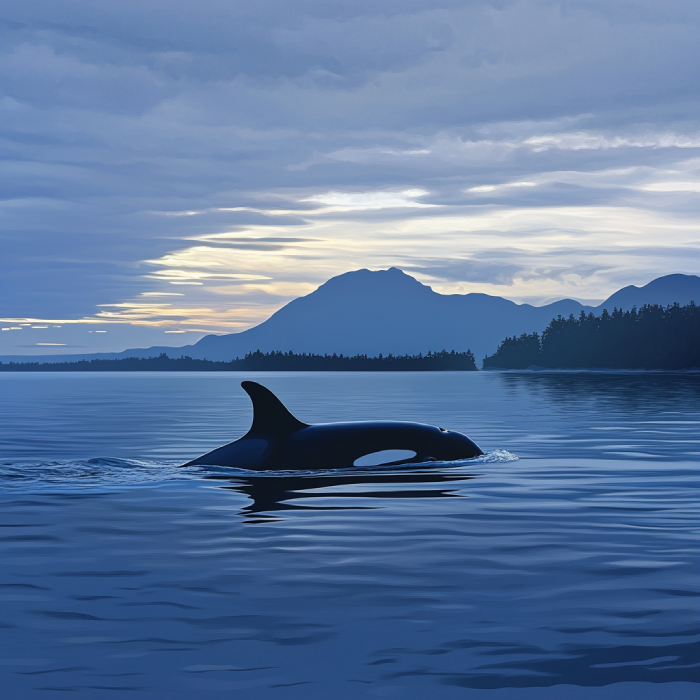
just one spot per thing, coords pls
(279, 441)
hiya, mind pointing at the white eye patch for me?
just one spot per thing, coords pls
(376, 459)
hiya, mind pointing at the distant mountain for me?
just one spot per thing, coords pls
(390, 311)
(383, 312)
(663, 290)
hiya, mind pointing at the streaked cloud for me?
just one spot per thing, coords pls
(174, 170)
(454, 148)
(672, 187)
(361, 201)
(487, 189)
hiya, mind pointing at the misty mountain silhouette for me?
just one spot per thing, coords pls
(382, 312)
(387, 311)
(663, 291)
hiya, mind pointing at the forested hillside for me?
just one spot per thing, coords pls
(652, 337)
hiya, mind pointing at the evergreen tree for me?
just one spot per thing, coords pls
(653, 337)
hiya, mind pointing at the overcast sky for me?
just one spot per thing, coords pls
(175, 168)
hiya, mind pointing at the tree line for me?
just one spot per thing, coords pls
(652, 337)
(259, 361)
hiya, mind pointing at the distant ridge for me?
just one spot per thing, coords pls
(663, 291)
(388, 311)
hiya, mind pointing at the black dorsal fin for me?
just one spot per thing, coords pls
(270, 415)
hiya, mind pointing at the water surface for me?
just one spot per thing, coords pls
(568, 572)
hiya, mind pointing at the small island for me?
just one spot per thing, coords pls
(264, 362)
(652, 337)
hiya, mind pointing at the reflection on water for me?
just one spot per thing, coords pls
(571, 573)
(272, 495)
(637, 392)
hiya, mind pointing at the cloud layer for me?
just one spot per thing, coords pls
(175, 169)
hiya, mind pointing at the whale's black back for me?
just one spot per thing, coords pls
(279, 441)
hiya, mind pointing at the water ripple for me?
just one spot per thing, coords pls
(569, 573)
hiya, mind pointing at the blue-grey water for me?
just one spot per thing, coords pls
(563, 564)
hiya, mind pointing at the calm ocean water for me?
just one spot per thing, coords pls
(564, 564)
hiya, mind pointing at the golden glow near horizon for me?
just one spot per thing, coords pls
(232, 280)
(518, 151)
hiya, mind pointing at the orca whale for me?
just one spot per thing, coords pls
(279, 441)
